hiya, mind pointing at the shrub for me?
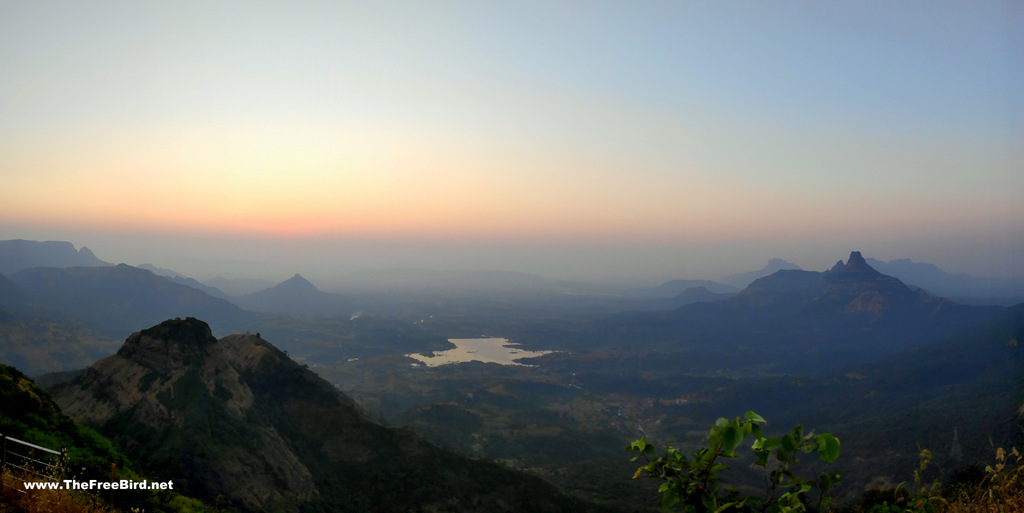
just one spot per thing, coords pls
(693, 483)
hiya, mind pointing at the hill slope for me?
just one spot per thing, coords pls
(237, 417)
(28, 413)
(118, 299)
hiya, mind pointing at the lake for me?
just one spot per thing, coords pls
(487, 350)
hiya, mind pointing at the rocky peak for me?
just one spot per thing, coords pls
(297, 283)
(172, 343)
(87, 254)
(856, 259)
(854, 264)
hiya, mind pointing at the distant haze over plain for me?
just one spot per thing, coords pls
(603, 142)
(334, 262)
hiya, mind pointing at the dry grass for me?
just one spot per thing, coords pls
(1002, 490)
(986, 504)
(15, 499)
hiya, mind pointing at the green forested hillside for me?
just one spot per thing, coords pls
(28, 413)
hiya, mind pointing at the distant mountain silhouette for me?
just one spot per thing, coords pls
(16, 255)
(113, 299)
(234, 287)
(236, 418)
(851, 313)
(742, 280)
(674, 288)
(700, 295)
(960, 287)
(184, 280)
(160, 271)
(848, 287)
(419, 280)
(294, 296)
(856, 287)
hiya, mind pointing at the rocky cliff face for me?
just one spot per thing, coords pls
(236, 418)
(174, 397)
(856, 287)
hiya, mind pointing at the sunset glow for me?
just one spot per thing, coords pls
(662, 124)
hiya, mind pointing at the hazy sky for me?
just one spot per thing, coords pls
(572, 139)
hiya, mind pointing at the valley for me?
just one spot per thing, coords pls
(567, 381)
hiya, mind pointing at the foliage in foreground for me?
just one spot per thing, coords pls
(998, 488)
(694, 483)
(28, 413)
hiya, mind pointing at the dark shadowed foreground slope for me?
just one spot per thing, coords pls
(237, 418)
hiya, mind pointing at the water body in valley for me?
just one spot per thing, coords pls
(487, 350)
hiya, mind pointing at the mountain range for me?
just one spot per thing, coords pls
(235, 416)
(961, 287)
(851, 313)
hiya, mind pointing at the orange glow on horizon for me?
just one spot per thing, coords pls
(308, 183)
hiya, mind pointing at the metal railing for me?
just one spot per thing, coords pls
(21, 461)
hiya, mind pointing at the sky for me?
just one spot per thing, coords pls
(583, 140)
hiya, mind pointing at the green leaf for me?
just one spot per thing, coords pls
(724, 507)
(731, 439)
(762, 458)
(782, 454)
(828, 447)
(669, 497)
(826, 481)
(788, 443)
(750, 415)
(708, 501)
